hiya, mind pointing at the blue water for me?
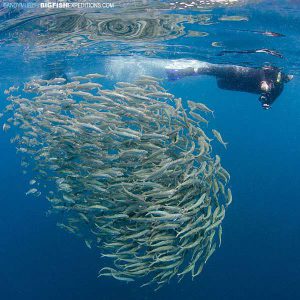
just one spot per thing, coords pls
(259, 257)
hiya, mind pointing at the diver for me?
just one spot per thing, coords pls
(56, 73)
(267, 81)
(57, 69)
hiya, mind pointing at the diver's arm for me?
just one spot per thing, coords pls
(224, 71)
(182, 68)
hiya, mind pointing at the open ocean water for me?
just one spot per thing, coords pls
(259, 256)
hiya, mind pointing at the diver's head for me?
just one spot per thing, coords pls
(272, 86)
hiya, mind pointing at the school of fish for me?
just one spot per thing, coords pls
(131, 169)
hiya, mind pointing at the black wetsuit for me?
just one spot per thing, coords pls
(250, 80)
(268, 82)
